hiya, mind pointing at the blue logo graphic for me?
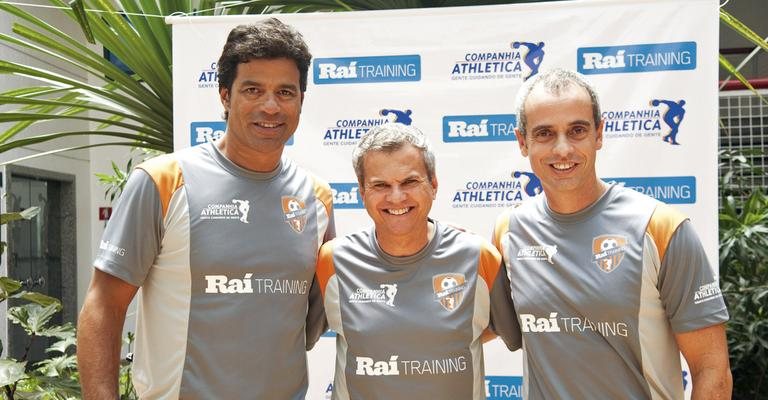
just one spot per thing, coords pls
(668, 189)
(207, 131)
(685, 380)
(405, 68)
(403, 117)
(673, 117)
(346, 196)
(329, 333)
(533, 57)
(208, 77)
(503, 387)
(533, 186)
(636, 58)
(479, 128)
(348, 131)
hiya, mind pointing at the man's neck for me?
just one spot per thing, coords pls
(407, 246)
(577, 200)
(252, 161)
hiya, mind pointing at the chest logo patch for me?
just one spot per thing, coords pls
(295, 213)
(608, 251)
(449, 289)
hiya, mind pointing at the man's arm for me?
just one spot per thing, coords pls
(99, 334)
(706, 351)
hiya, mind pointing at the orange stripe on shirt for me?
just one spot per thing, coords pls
(662, 226)
(323, 193)
(501, 228)
(166, 173)
(490, 261)
(325, 269)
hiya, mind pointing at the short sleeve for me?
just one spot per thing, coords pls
(689, 288)
(132, 238)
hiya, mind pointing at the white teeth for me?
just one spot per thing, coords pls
(399, 211)
(267, 124)
(563, 166)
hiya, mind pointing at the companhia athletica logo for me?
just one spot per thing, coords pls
(646, 121)
(668, 189)
(400, 68)
(208, 76)
(295, 213)
(707, 292)
(537, 253)
(346, 195)
(479, 128)
(636, 58)
(235, 210)
(393, 366)
(521, 60)
(348, 131)
(608, 251)
(503, 387)
(449, 289)
(385, 294)
(497, 194)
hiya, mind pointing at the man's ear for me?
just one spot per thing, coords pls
(521, 142)
(599, 138)
(224, 97)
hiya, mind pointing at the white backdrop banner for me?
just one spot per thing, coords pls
(454, 73)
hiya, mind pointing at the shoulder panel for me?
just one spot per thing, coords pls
(166, 173)
(325, 268)
(323, 193)
(490, 263)
(502, 226)
(662, 225)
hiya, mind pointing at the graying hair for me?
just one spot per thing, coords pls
(555, 81)
(388, 138)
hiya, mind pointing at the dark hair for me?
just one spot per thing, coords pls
(267, 39)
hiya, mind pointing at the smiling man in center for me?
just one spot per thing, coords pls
(410, 298)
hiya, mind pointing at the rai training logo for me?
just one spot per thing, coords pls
(672, 117)
(295, 213)
(449, 289)
(608, 251)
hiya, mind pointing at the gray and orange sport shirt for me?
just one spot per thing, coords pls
(225, 259)
(410, 327)
(601, 293)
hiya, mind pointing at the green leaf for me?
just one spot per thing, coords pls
(33, 317)
(27, 214)
(8, 286)
(37, 298)
(57, 366)
(11, 371)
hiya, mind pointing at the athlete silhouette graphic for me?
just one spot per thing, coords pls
(243, 206)
(673, 117)
(533, 58)
(402, 117)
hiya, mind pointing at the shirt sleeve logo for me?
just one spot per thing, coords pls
(295, 213)
(608, 251)
(448, 289)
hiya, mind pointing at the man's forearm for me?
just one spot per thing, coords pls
(712, 384)
(98, 350)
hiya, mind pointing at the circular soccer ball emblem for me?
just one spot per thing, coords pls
(609, 244)
(449, 282)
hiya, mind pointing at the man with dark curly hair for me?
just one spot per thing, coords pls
(220, 242)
